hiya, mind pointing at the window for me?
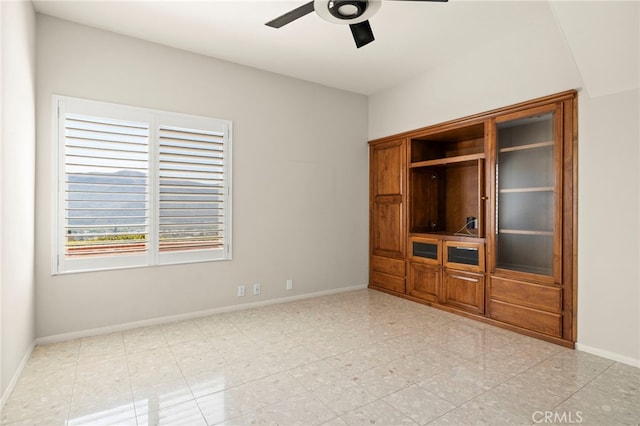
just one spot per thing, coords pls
(139, 187)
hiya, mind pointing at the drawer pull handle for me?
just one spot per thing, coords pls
(458, 277)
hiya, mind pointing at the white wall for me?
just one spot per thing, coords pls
(608, 225)
(523, 66)
(299, 175)
(534, 63)
(17, 176)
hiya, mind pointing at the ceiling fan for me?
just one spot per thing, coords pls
(355, 13)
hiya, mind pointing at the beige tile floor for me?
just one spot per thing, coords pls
(357, 358)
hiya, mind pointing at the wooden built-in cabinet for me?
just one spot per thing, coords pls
(478, 216)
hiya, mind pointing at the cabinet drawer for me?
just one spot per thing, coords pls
(388, 265)
(532, 295)
(464, 255)
(390, 282)
(532, 319)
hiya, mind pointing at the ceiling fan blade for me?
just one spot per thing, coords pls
(362, 33)
(291, 16)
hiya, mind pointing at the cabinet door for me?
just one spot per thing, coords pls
(423, 281)
(528, 237)
(388, 235)
(463, 290)
(387, 228)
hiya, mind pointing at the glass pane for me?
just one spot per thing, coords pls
(527, 168)
(426, 250)
(464, 255)
(526, 253)
(530, 211)
(526, 131)
(525, 203)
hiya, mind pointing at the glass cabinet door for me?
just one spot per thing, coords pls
(526, 189)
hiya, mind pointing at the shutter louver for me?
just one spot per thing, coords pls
(106, 186)
(192, 179)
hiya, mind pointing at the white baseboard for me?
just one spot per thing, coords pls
(183, 317)
(16, 376)
(609, 355)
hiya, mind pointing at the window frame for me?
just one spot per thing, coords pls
(60, 264)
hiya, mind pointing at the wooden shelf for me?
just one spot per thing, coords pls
(508, 267)
(532, 189)
(448, 160)
(453, 236)
(525, 232)
(528, 146)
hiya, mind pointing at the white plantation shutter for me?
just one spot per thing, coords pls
(191, 189)
(193, 176)
(139, 187)
(106, 186)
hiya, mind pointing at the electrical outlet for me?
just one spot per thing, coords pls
(240, 291)
(289, 284)
(472, 222)
(257, 289)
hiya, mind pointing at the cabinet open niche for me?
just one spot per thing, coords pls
(446, 182)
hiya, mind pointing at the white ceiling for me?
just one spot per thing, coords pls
(411, 36)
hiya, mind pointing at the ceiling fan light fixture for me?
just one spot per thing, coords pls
(346, 11)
